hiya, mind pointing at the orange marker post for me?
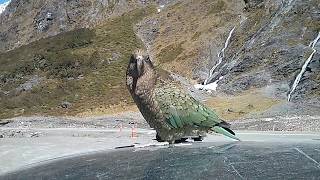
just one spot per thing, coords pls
(120, 126)
(134, 131)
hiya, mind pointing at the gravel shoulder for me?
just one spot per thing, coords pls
(36, 126)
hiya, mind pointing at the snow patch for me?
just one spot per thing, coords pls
(208, 87)
(160, 8)
(3, 6)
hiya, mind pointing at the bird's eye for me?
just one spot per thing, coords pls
(148, 59)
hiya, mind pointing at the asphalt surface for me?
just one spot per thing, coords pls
(260, 155)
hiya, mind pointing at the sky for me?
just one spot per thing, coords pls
(3, 1)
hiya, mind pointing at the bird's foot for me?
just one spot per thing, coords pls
(158, 138)
(198, 139)
(182, 140)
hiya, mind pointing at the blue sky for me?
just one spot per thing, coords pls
(3, 1)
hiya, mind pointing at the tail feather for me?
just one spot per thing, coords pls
(225, 131)
(225, 125)
(229, 130)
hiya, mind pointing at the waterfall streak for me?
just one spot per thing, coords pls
(220, 56)
(304, 67)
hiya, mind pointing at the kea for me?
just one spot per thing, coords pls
(167, 107)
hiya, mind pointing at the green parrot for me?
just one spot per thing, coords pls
(173, 113)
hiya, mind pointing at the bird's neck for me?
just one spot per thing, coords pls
(146, 84)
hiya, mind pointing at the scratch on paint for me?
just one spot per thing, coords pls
(235, 170)
(307, 156)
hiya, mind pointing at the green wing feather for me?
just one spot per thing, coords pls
(181, 109)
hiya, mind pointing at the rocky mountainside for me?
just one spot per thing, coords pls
(268, 43)
(69, 57)
(26, 21)
(271, 46)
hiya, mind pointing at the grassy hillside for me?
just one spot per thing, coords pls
(81, 71)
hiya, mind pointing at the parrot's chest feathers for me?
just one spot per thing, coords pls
(145, 94)
(145, 85)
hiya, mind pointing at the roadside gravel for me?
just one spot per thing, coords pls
(37, 126)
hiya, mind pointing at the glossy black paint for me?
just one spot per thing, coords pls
(238, 160)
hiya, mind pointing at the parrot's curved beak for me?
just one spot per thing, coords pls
(140, 65)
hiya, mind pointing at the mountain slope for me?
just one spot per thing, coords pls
(266, 51)
(28, 21)
(71, 73)
(255, 49)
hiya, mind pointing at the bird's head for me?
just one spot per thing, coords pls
(139, 63)
(141, 74)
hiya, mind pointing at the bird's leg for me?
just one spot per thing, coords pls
(200, 138)
(171, 143)
(158, 138)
